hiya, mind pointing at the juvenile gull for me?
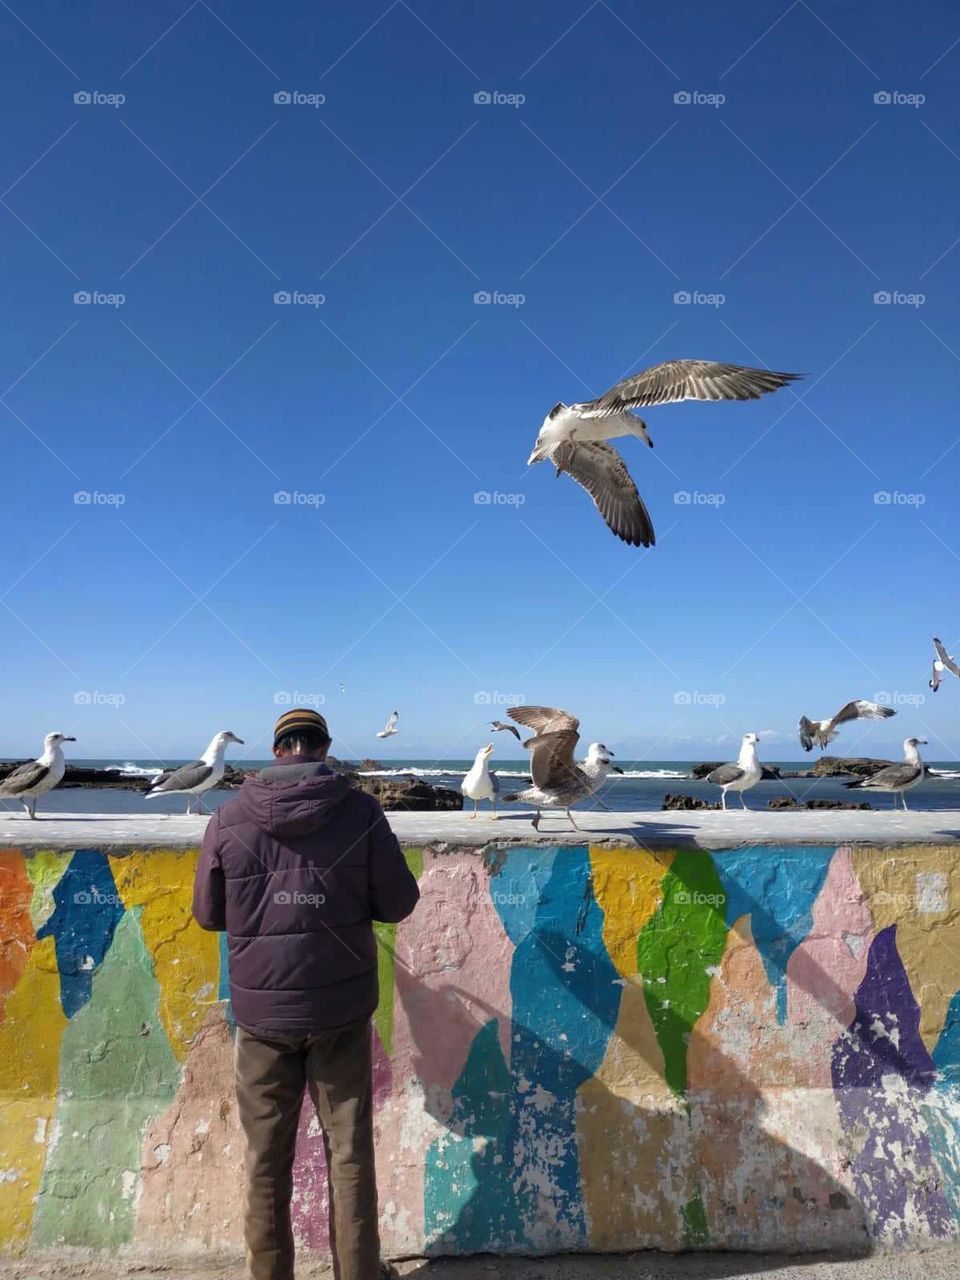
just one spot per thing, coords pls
(498, 725)
(390, 728)
(896, 777)
(558, 781)
(198, 776)
(741, 776)
(574, 436)
(38, 776)
(942, 662)
(480, 783)
(822, 732)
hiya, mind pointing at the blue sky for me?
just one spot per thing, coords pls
(182, 598)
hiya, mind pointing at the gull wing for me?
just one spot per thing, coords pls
(551, 759)
(806, 730)
(675, 380)
(862, 710)
(497, 725)
(544, 719)
(597, 467)
(727, 773)
(186, 776)
(945, 657)
(892, 777)
(24, 778)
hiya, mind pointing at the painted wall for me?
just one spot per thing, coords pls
(576, 1049)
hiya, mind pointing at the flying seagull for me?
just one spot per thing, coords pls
(390, 728)
(821, 732)
(574, 436)
(942, 662)
(743, 775)
(498, 725)
(480, 784)
(896, 777)
(198, 776)
(38, 776)
(558, 781)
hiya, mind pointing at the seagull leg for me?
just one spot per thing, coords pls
(723, 801)
(493, 815)
(903, 799)
(476, 805)
(742, 801)
(536, 821)
(575, 827)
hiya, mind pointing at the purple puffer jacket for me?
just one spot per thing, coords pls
(295, 868)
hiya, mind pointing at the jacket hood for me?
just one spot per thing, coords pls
(293, 800)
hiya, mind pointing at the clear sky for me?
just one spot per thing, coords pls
(181, 598)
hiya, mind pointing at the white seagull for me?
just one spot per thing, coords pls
(896, 777)
(574, 436)
(558, 780)
(743, 775)
(198, 776)
(38, 776)
(822, 732)
(480, 784)
(942, 662)
(390, 728)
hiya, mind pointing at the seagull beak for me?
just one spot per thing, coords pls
(240, 740)
(616, 769)
(69, 739)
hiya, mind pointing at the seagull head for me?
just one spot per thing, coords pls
(226, 736)
(550, 433)
(915, 742)
(487, 751)
(751, 739)
(54, 739)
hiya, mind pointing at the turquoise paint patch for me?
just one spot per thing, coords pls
(946, 1054)
(223, 987)
(942, 1109)
(777, 889)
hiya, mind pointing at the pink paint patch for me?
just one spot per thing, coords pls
(310, 1209)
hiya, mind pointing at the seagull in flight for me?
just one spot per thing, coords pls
(37, 776)
(942, 662)
(498, 725)
(575, 436)
(558, 780)
(822, 732)
(390, 728)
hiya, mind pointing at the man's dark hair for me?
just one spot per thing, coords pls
(302, 742)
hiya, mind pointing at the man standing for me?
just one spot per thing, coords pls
(295, 868)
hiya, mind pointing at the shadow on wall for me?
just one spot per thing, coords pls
(541, 1155)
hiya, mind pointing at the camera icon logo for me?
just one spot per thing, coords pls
(82, 298)
(282, 898)
(882, 297)
(882, 498)
(82, 498)
(682, 98)
(282, 298)
(682, 698)
(82, 698)
(282, 498)
(482, 98)
(882, 98)
(482, 298)
(82, 898)
(82, 98)
(482, 698)
(682, 498)
(681, 297)
(282, 98)
(282, 698)
(682, 897)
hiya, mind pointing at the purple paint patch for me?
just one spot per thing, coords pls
(882, 1072)
(310, 1207)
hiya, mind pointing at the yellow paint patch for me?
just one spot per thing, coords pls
(45, 868)
(186, 958)
(626, 885)
(917, 888)
(29, 1073)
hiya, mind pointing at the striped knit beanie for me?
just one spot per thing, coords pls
(300, 719)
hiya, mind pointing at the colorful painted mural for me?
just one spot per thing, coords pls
(575, 1049)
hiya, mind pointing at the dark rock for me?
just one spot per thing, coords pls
(769, 772)
(788, 802)
(410, 794)
(842, 766)
(671, 801)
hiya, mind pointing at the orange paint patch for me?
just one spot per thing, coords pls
(17, 935)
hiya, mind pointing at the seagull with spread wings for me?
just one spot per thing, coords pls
(942, 662)
(575, 436)
(498, 726)
(390, 728)
(821, 732)
(558, 780)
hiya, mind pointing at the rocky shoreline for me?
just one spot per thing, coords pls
(826, 767)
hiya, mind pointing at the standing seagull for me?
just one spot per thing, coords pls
(480, 783)
(942, 662)
(390, 728)
(198, 776)
(896, 777)
(574, 436)
(558, 781)
(743, 775)
(39, 776)
(498, 725)
(822, 732)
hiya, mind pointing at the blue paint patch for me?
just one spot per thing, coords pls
(86, 912)
(946, 1053)
(223, 987)
(518, 887)
(777, 889)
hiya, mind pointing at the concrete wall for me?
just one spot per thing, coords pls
(576, 1048)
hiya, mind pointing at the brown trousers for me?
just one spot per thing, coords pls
(271, 1078)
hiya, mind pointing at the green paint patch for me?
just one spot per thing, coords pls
(44, 870)
(695, 1232)
(675, 949)
(386, 935)
(117, 1073)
